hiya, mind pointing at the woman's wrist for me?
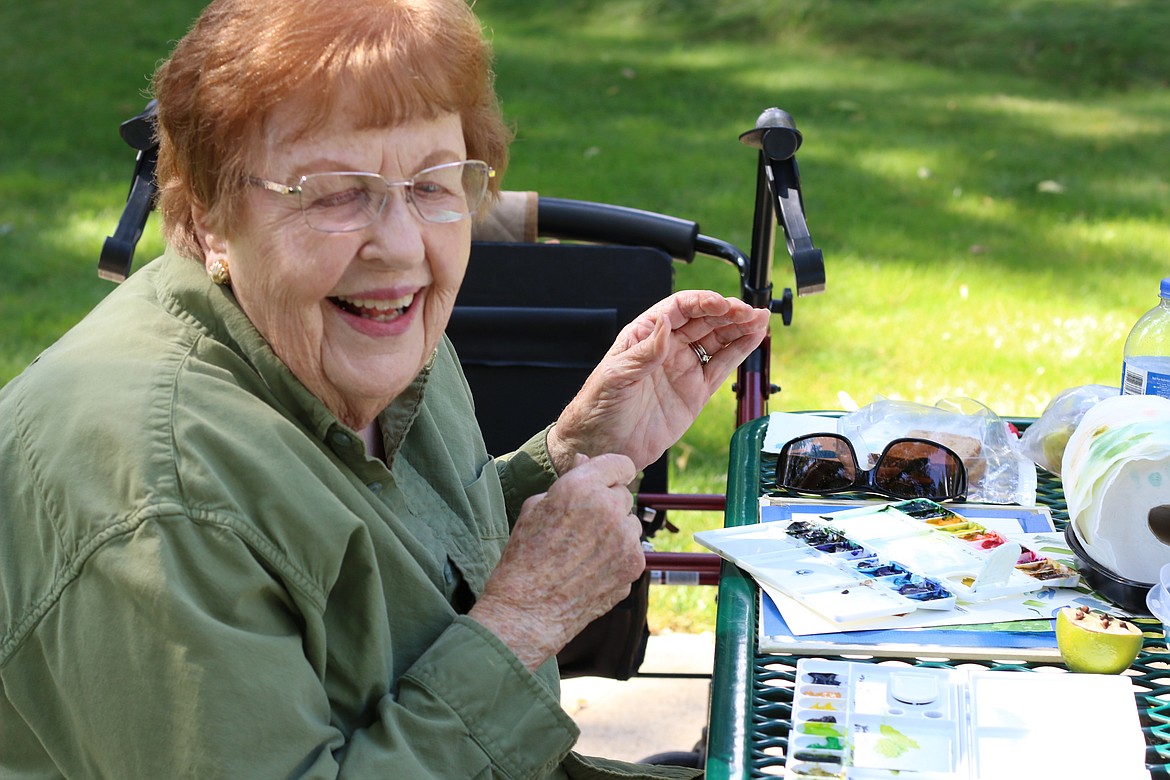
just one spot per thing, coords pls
(561, 453)
(509, 624)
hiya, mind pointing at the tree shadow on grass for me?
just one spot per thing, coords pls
(974, 163)
(910, 157)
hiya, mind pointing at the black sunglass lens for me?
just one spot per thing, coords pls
(920, 470)
(816, 465)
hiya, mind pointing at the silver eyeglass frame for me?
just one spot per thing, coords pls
(407, 185)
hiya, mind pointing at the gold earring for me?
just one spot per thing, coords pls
(218, 271)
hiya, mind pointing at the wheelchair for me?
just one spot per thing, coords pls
(549, 285)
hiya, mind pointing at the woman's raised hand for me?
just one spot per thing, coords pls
(654, 381)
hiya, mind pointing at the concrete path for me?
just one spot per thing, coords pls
(643, 716)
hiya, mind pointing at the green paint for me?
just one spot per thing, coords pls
(894, 743)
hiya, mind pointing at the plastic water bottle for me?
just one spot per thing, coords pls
(1147, 351)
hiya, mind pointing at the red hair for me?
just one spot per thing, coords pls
(402, 59)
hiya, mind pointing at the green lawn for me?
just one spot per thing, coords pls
(987, 178)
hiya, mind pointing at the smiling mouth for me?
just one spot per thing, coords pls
(380, 310)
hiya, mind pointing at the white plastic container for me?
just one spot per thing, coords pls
(1146, 370)
(1158, 600)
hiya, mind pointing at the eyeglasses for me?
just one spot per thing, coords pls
(826, 463)
(341, 202)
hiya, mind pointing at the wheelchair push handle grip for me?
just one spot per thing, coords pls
(579, 220)
(139, 131)
(778, 196)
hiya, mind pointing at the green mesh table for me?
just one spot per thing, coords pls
(751, 701)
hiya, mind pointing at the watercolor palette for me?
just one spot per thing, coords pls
(972, 561)
(861, 721)
(887, 559)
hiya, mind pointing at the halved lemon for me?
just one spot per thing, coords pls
(1096, 643)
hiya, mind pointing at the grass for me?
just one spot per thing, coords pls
(987, 178)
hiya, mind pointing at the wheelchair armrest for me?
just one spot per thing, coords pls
(579, 220)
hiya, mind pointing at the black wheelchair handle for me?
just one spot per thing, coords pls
(579, 220)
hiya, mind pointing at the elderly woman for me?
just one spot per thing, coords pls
(248, 527)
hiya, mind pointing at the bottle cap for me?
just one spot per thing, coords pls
(1164, 290)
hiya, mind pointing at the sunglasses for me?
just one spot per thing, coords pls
(824, 463)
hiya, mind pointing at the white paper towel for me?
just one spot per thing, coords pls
(1116, 468)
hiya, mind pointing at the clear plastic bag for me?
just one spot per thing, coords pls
(1044, 440)
(998, 472)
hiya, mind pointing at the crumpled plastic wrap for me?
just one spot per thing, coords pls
(1045, 440)
(998, 472)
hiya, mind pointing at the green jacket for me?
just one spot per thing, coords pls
(203, 574)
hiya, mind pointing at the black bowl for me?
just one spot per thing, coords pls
(1128, 594)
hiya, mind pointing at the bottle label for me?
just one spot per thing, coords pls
(1139, 381)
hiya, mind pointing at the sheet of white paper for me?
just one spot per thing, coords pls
(785, 426)
(803, 621)
(1013, 738)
